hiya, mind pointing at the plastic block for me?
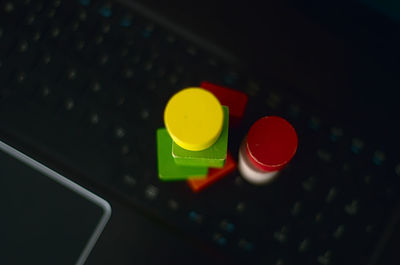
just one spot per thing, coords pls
(213, 156)
(167, 169)
(214, 175)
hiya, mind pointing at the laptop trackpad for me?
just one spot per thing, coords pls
(45, 218)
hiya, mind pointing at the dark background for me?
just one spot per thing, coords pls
(342, 56)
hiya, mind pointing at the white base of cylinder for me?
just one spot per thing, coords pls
(252, 174)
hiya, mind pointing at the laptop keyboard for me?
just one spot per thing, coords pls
(85, 84)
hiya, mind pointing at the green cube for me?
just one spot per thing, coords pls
(214, 156)
(168, 170)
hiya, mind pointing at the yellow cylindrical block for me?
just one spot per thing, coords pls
(194, 118)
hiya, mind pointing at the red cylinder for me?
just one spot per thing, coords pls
(271, 143)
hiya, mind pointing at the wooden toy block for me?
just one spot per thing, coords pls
(235, 100)
(194, 118)
(213, 175)
(168, 170)
(213, 156)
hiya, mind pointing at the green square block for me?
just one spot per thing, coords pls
(213, 156)
(168, 170)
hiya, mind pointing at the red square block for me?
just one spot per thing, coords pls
(235, 100)
(214, 174)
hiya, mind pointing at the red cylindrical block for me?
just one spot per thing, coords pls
(269, 146)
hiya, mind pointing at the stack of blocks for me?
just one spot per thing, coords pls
(193, 146)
